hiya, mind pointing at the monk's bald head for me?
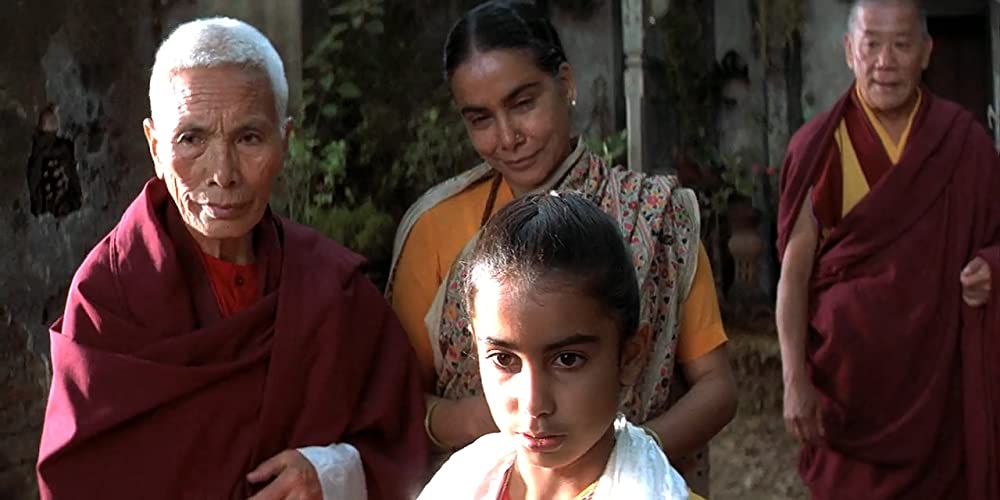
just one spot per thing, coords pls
(857, 6)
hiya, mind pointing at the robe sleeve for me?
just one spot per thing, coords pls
(341, 474)
(991, 251)
(988, 348)
(387, 425)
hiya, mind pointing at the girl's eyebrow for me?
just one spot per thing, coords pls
(572, 340)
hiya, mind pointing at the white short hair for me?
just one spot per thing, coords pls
(219, 41)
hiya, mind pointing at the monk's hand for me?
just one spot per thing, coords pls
(294, 478)
(802, 412)
(976, 282)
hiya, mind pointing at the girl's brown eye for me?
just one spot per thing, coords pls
(503, 360)
(570, 360)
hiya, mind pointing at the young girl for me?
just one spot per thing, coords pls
(554, 308)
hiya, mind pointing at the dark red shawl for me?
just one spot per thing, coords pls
(908, 374)
(156, 396)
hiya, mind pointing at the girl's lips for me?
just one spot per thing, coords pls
(541, 443)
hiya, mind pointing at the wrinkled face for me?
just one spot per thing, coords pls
(552, 368)
(516, 114)
(217, 143)
(888, 51)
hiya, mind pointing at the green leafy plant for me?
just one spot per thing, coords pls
(612, 148)
(368, 144)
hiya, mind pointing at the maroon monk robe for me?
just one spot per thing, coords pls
(828, 193)
(156, 396)
(906, 372)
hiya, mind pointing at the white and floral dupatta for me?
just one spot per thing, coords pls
(636, 470)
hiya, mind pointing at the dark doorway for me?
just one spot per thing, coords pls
(960, 68)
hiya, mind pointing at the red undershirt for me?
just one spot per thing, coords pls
(235, 285)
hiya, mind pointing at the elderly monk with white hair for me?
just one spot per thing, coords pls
(210, 349)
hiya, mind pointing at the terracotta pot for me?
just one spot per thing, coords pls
(741, 214)
(745, 245)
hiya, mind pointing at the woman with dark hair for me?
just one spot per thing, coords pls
(558, 341)
(514, 87)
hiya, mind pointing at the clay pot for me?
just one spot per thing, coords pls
(741, 214)
(745, 245)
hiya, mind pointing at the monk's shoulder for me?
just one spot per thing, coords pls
(98, 278)
(808, 131)
(964, 124)
(325, 256)
(944, 106)
(102, 262)
(977, 133)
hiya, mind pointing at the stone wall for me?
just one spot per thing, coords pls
(72, 155)
(593, 46)
(824, 70)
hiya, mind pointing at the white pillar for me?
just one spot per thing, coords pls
(633, 29)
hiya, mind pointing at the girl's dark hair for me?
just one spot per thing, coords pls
(504, 24)
(551, 241)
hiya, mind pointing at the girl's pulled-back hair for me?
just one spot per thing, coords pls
(551, 241)
(504, 24)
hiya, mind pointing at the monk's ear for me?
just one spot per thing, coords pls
(633, 357)
(848, 57)
(150, 131)
(929, 47)
(287, 129)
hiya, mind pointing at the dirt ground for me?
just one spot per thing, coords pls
(754, 457)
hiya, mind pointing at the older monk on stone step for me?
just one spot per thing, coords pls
(210, 349)
(888, 312)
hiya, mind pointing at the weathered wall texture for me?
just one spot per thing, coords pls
(63, 182)
(824, 71)
(593, 46)
(738, 125)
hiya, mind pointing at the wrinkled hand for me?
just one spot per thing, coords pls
(295, 478)
(976, 282)
(802, 413)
